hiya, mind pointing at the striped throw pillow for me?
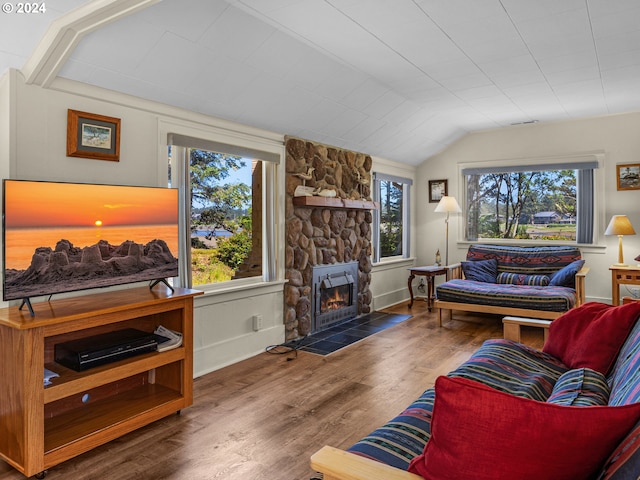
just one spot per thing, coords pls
(580, 387)
(519, 279)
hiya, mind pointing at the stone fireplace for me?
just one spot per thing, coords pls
(330, 228)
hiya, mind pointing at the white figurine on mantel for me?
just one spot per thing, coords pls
(325, 192)
(305, 176)
(302, 191)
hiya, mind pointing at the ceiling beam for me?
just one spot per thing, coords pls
(64, 33)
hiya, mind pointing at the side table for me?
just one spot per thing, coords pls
(622, 276)
(430, 272)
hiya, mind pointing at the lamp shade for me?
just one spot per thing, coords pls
(448, 205)
(619, 225)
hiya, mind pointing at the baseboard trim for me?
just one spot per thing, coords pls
(218, 355)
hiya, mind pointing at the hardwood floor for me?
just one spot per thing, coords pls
(264, 417)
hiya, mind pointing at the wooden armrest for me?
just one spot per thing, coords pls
(336, 464)
(454, 271)
(583, 272)
(580, 288)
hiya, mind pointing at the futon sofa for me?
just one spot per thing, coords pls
(523, 281)
(570, 411)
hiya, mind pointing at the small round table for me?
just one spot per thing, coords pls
(430, 272)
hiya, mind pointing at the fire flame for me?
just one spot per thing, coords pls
(335, 298)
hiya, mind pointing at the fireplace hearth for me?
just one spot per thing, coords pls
(334, 294)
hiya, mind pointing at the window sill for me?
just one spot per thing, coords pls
(214, 294)
(392, 263)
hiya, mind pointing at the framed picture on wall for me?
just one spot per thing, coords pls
(628, 176)
(437, 190)
(93, 136)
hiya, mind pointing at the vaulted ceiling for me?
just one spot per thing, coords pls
(398, 79)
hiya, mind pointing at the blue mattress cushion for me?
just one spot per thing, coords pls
(401, 439)
(535, 297)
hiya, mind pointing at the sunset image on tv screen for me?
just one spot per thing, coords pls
(61, 237)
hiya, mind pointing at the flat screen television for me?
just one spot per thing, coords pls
(62, 237)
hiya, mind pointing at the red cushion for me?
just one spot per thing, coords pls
(484, 434)
(591, 335)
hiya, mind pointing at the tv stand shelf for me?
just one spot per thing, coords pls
(71, 382)
(42, 426)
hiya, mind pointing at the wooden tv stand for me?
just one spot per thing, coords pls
(43, 426)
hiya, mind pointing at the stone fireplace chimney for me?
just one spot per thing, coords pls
(331, 227)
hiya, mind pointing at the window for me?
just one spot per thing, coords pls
(552, 202)
(227, 216)
(391, 222)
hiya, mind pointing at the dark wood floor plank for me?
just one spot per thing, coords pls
(264, 417)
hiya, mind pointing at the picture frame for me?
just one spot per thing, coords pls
(437, 190)
(628, 176)
(93, 136)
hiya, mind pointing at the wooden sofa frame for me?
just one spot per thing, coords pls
(455, 272)
(336, 464)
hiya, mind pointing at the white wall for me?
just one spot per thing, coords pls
(35, 120)
(615, 136)
(6, 115)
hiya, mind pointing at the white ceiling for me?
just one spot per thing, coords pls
(398, 79)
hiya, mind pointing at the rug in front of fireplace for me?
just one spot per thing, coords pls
(347, 333)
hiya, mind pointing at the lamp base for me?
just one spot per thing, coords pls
(619, 265)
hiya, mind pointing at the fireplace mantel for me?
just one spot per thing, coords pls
(333, 202)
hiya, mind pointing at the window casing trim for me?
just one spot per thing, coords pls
(594, 160)
(272, 182)
(406, 216)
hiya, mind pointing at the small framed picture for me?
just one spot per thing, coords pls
(93, 136)
(437, 190)
(628, 176)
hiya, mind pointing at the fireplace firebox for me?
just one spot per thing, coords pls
(334, 294)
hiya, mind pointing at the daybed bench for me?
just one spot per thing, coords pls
(570, 411)
(536, 282)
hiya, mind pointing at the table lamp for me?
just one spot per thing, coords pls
(620, 225)
(447, 205)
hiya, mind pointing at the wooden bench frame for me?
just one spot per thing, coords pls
(456, 272)
(336, 464)
(511, 326)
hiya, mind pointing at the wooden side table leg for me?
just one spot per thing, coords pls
(615, 289)
(430, 293)
(409, 285)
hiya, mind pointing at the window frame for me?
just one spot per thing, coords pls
(575, 162)
(379, 177)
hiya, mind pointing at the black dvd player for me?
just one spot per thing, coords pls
(105, 348)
